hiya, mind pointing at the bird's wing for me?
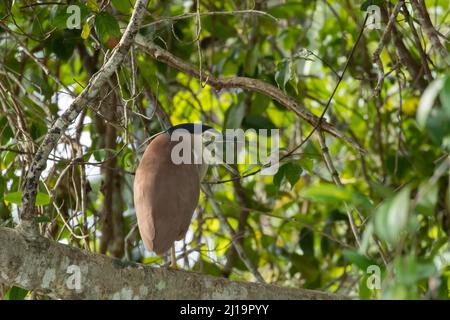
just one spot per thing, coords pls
(142, 204)
(170, 194)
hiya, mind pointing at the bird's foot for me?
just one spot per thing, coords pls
(173, 259)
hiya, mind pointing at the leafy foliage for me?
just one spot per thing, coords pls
(295, 224)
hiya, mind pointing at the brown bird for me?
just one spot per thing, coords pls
(166, 192)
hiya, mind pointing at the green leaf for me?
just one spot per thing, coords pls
(287, 10)
(445, 95)
(235, 116)
(326, 192)
(13, 197)
(308, 266)
(61, 15)
(92, 4)
(7, 159)
(306, 242)
(16, 293)
(366, 4)
(2, 185)
(292, 173)
(391, 218)
(257, 122)
(43, 219)
(63, 43)
(85, 31)
(268, 26)
(427, 101)
(366, 238)
(251, 253)
(107, 28)
(428, 199)
(278, 177)
(42, 199)
(437, 125)
(307, 164)
(330, 193)
(128, 162)
(410, 269)
(100, 154)
(251, 61)
(259, 104)
(283, 73)
(208, 268)
(359, 260)
(122, 5)
(364, 292)
(5, 7)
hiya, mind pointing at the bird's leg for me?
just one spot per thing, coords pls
(173, 259)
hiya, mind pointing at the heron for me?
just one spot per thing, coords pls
(166, 192)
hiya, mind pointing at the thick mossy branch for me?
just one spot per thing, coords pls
(52, 268)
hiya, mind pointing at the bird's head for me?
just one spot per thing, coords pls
(198, 138)
(206, 133)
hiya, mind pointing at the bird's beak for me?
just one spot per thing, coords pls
(221, 141)
(219, 138)
(231, 169)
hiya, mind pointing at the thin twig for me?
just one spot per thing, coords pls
(381, 44)
(236, 244)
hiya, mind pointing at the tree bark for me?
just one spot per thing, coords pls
(47, 267)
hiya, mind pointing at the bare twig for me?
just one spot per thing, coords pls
(381, 44)
(422, 15)
(211, 13)
(163, 117)
(337, 181)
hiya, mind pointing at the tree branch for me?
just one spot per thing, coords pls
(381, 44)
(425, 22)
(42, 265)
(256, 85)
(406, 58)
(236, 244)
(91, 91)
(244, 201)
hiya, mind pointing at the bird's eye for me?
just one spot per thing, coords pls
(210, 137)
(207, 143)
(208, 140)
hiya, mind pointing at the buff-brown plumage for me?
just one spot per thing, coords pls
(165, 195)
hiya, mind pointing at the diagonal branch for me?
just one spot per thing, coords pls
(256, 85)
(381, 44)
(236, 244)
(65, 272)
(79, 103)
(173, 19)
(335, 176)
(240, 230)
(425, 22)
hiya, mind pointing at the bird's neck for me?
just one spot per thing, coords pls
(202, 168)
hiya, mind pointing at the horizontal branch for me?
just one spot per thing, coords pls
(256, 85)
(49, 267)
